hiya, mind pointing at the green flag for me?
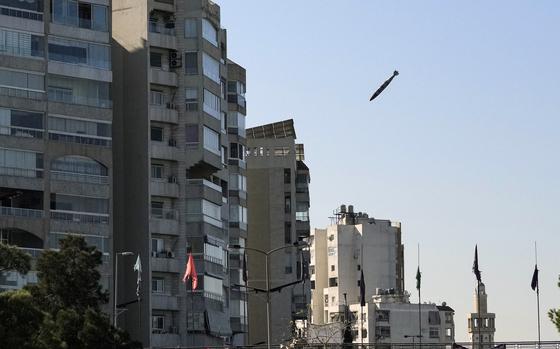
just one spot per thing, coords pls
(418, 277)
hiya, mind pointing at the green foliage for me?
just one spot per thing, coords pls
(63, 309)
(554, 314)
(13, 259)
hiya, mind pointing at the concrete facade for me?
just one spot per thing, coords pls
(278, 185)
(56, 162)
(180, 120)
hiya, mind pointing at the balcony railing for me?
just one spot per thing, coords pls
(79, 177)
(87, 218)
(13, 12)
(62, 95)
(162, 28)
(160, 213)
(18, 131)
(21, 172)
(206, 183)
(71, 138)
(18, 92)
(20, 212)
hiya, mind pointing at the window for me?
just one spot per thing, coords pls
(21, 80)
(332, 268)
(73, 203)
(80, 14)
(21, 123)
(213, 286)
(21, 44)
(287, 203)
(158, 285)
(288, 269)
(364, 333)
(287, 232)
(433, 318)
(82, 131)
(211, 140)
(191, 99)
(312, 284)
(211, 67)
(20, 163)
(190, 28)
(448, 332)
(333, 282)
(383, 332)
(79, 52)
(287, 176)
(157, 246)
(212, 104)
(382, 315)
(238, 213)
(157, 209)
(191, 132)
(156, 134)
(155, 59)
(158, 323)
(157, 171)
(214, 254)
(191, 63)
(209, 32)
(76, 168)
(79, 91)
(434, 332)
(236, 151)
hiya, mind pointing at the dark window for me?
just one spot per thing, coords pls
(287, 175)
(157, 209)
(312, 284)
(298, 270)
(156, 134)
(155, 59)
(191, 132)
(68, 54)
(26, 119)
(84, 15)
(288, 270)
(332, 267)
(359, 267)
(287, 203)
(288, 232)
(333, 282)
(191, 63)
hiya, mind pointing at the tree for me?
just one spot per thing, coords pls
(13, 259)
(63, 310)
(554, 314)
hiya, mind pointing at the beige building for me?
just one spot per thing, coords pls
(278, 185)
(181, 188)
(56, 116)
(481, 323)
(338, 254)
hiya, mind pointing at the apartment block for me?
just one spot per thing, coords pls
(56, 163)
(278, 185)
(180, 157)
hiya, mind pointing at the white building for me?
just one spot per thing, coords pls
(481, 323)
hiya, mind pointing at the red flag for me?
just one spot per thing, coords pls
(190, 272)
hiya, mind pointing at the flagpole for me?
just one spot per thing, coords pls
(538, 300)
(419, 306)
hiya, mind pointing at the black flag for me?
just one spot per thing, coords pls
(384, 86)
(245, 268)
(362, 290)
(535, 279)
(475, 269)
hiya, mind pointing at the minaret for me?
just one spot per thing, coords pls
(484, 327)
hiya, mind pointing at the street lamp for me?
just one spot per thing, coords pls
(298, 244)
(116, 286)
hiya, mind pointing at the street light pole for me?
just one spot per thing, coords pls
(116, 286)
(267, 275)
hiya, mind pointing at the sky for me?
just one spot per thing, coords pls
(462, 148)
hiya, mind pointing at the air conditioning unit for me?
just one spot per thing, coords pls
(175, 60)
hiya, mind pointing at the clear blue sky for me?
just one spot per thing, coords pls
(462, 148)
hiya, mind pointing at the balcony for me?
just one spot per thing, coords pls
(164, 222)
(162, 35)
(23, 132)
(164, 302)
(20, 212)
(164, 151)
(165, 188)
(163, 5)
(166, 265)
(162, 77)
(202, 188)
(79, 177)
(164, 114)
(166, 340)
(21, 93)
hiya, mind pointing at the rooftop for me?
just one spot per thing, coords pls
(281, 129)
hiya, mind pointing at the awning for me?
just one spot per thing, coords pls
(218, 323)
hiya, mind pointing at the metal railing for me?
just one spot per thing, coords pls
(21, 172)
(70, 138)
(79, 177)
(162, 28)
(18, 131)
(13, 12)
(18, 92)
(20, 212)
(87, 218)
(161, 213)
(469, 345)
(62, 95)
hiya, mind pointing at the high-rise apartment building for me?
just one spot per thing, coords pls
(278, 185)
(56, 163)
(180, 158)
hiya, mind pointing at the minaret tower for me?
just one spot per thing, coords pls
(481, 322)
